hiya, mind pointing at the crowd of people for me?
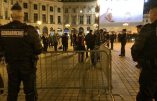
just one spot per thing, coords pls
(57, 41)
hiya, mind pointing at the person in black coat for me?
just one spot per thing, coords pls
(123, 42)
(112, 38)
(144, 51)
(65, 41)
(90, 41)
(21, 46)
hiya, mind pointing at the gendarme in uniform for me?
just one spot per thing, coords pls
(144, 51)
(21, 46)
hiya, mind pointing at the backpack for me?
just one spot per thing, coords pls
(80, 40)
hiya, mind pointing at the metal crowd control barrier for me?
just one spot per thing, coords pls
(61, 77)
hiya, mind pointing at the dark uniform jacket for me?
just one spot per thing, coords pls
(20, 42)
(144, 51)
(80, 42)
(90, 40)
(123, 38)
(145, 45)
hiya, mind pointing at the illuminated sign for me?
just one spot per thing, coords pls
(120, 11)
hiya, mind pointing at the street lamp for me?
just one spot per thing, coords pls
(81, 11)
(95, 26)
(125, 25)
(67, 25)
(39, 23)
(97, 15)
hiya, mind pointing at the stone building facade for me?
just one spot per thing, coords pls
(53, 15)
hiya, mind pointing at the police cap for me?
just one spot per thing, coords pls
(16, 6)
(139, 26)
(124, 30)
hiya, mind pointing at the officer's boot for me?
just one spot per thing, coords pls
(12, 97)
(31, 97)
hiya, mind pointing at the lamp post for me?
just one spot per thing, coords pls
(68, 26)
(39, 24)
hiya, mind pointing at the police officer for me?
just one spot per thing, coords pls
(21, 45)
(123, 42)
(139, 27)
(144, 51)
(112, 38)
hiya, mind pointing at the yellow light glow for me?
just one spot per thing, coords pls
(39, 22)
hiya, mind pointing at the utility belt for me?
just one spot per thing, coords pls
(155, 61)
(148, 61)
(12, 60)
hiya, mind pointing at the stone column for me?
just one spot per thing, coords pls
(9, 9)
(85, 19)
(1, 9)
(92, 19)
(77, 19)
(47, 14)
(30, 12)
(39, 12)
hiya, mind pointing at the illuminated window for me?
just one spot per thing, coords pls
(25, 5)
(59, 10)
(51, 19)
(59, 19)
(81, 19)
(6, 14)
(51, 8)
(66, 10)
(35, 6)
(74, 10)
(43, 7)
(26, 17)
(35, 17)
(66, 20)
(88, 19)
(44, 18)
(74, 20)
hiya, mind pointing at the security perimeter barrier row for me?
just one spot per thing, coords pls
(62, 76)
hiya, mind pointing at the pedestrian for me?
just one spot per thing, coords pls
(80, 46)
(21, 46)
(65, 41)
(90, 41)
(112, 38)
(107, 39)
(123, 42)
(54, 40)
(74, 41)
(45, 40)
(144, 51)
(97, 45)
(139, 27)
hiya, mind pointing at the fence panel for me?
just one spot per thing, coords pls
(62, 77)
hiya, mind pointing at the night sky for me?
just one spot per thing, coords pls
(149, 4)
